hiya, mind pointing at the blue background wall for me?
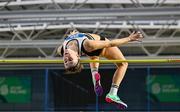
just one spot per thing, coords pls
(75, 92)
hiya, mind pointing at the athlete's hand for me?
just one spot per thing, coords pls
(136, 36)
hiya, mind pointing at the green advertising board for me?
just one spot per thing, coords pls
(15, 89)
(165, 88)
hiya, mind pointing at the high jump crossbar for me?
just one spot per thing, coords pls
(56, 61)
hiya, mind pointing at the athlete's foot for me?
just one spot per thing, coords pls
(114, 99)
(97, 86)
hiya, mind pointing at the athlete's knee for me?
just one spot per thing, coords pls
(124, 64)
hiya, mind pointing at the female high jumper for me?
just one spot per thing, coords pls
(94, 46)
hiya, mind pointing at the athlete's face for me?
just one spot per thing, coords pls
(70, 58)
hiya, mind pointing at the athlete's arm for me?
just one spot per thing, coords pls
(91, 45)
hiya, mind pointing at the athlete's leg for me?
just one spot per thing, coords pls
(115, 53)
(96, 76)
